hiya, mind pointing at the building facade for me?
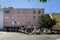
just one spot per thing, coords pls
(15, 18)
(57, 17)
(1, 18)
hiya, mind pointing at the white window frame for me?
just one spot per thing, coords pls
(29, 17)
(6, 17)
(13, 23)
(18, 23)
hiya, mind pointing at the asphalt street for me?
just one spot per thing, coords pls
(20, 36)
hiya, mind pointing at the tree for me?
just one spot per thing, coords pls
(41, 0)
(46, 21)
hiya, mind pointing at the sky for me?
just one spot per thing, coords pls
(50, 6)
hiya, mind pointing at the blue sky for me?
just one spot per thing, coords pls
(50, 6)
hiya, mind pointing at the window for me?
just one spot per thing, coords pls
(13, 23)
(6, 17)
(24, 17)
(6, 11)
(18, 23)
(34, 17)
(28, 17)
(29, 26)
(38, 12)
(23, 23)
(18, 11)
(18, 17)
(28, 22)
(34, 12)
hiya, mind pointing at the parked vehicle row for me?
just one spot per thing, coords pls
(38, 31)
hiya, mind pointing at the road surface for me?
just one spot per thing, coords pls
(20, 36)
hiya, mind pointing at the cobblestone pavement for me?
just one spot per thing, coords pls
(20, 36)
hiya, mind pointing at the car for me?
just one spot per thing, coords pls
(36, 31)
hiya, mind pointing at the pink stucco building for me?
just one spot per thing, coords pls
(14, 18)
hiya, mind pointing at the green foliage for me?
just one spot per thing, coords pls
(46, 21)
(42, 0)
